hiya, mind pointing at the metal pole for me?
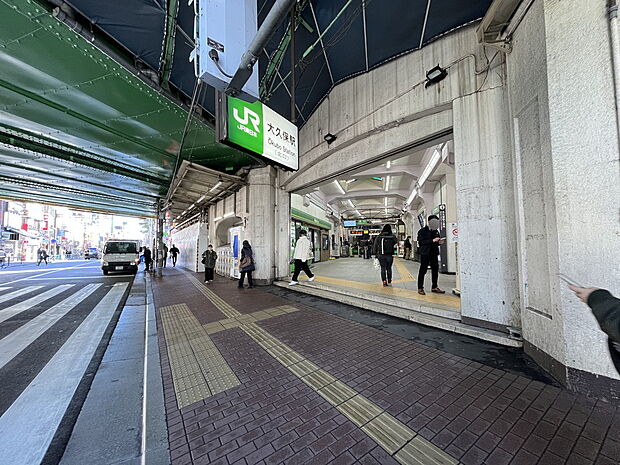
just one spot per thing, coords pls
(160, 239)
(293, 110)
(250, 57)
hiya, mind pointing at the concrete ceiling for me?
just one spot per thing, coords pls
(381, 190)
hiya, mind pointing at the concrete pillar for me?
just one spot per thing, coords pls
(282, 233)
(261, 222)
(586, 177)
(486, 211)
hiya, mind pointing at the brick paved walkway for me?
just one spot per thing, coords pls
(312, 387)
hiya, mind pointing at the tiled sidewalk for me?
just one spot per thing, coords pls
(312, 387)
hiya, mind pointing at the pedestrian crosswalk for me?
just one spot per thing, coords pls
(29, 423)
(13, 295)
(27, 304)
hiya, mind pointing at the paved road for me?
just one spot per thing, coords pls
(55, 322)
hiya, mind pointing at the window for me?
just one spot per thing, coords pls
(121, 247)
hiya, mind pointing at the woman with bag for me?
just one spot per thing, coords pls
(246, 265)
(383, 249)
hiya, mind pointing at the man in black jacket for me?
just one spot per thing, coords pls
(428, 242)
(606, 309)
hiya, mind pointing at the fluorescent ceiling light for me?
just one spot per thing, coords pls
(200, 199)
(228, 215)
(388, 164)
(385, 201)
(218, 218)
(413, 194)
(358, 212)
(350, 203)
(387, 183)
(339, 187)
(351, 180)
(216, 186)
(432, 164)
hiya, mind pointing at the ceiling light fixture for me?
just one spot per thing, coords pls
(329, 138)
(387, 184)
(351, 180)
(388, 165)
(218, 218)
(413, 194)
(385, 201)
(340, 188)
(200, 199)
(228, 215)
(435, 75)
(216, 186)
(432, 164)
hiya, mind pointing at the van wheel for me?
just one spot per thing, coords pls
(105, 272)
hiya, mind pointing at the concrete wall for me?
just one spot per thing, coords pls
(586, 168)
(386, 110)
(191, 242)
(487, 225)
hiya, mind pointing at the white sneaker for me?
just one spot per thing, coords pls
(292, 283)
(311, 279)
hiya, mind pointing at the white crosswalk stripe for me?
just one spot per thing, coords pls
(4, 288)
(12, 295)
(16, 309)
(22, 337)
(29, 424)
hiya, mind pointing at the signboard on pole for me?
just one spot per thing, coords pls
(257, 129)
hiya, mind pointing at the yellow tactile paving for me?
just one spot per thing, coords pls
(403, 272)
(387, 431)
(198, 368)
(446, 300)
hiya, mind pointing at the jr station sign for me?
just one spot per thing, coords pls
(259, 130)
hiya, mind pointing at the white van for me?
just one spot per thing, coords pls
(120, 255)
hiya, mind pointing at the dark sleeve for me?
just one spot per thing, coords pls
(421, 239)
(375, 245)
(606, 309)
(214, 255)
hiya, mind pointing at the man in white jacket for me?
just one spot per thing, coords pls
(301, 256)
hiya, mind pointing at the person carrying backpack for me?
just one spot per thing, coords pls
(383, 249)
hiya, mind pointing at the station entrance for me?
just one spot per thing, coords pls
(345, 215)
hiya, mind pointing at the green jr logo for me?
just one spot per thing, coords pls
(249, 117)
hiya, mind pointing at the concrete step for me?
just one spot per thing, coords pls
(443, 311)
(434, 321)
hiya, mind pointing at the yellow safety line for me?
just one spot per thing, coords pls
(440, 299)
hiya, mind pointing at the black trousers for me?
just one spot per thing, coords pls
(242, 278)
(174, 260)
(42, 259)
(209, 274)
(433, 261)
(301, 266)
(386, 262)
(148, 265)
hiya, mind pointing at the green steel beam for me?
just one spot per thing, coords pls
(168, 52)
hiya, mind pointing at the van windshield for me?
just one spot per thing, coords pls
(121, 247)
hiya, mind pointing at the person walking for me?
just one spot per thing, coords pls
(407, 247)
(209, 258)
(148, 259)
(174, 252)
(42, 256)
(303, 253)
(606, 309)
(246, 265)
(165, 248)
(428, 242)
(383, 249)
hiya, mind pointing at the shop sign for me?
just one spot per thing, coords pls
(256, 128)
